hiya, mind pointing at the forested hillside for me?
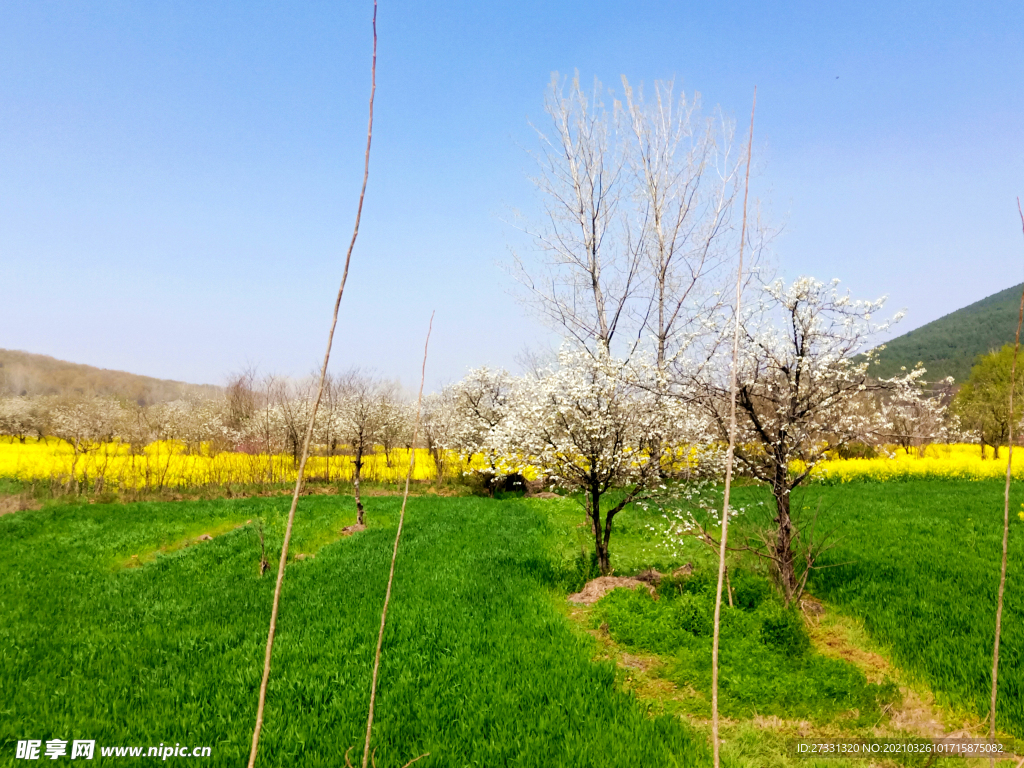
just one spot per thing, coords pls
(949, 345)
(24, 373)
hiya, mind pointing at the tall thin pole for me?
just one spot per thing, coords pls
(394, 553)
(312, 417)
(729, 455)
(1006, 521)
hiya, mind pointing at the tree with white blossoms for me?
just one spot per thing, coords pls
(800, 395)
(395, 418)
(294, 404)
(481, 409)
(22, 416)
(913, 414)
(359, 423)
(440, 424)
(587, 429)
(85, 423)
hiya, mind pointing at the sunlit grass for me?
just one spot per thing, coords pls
(479, 668)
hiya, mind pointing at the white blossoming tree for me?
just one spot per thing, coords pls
(481, 405)
(22, 416)
(914, 414)
(584, 427)
(801, 394)
(359, 423)
(441, 425)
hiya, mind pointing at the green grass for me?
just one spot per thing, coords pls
(767, 665)
(917, 562)
(917, 565)
(923, 575)
(479, 667)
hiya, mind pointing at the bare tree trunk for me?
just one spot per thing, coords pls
(606, 539)
(356, 474)
(1006, 521)
(600, 537)
(782, 548)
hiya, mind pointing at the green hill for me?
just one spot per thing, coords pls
(949, 345)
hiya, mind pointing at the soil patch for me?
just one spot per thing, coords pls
(601, 586)
(17, 503)
(348, 530)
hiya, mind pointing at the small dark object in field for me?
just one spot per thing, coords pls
(205, 537)
(506, 483)
(599, 587)
(348, 530)
(683, 571)
(604, 628)
(650, 576)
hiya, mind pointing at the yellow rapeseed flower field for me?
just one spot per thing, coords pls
(170, 465)
(959, 462)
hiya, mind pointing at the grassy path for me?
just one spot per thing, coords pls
(922, 573)
(478, 668)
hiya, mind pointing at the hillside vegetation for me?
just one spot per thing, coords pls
(27, 374)
(948, 346)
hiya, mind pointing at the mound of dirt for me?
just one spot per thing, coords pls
(601, 586)
(651, 576)
(348, 530)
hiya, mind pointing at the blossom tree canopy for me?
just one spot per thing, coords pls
(802, 391)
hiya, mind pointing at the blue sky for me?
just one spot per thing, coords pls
(178, 180)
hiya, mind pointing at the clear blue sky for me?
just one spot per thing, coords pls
(178, 179)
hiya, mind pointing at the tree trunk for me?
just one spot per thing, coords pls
(606, 561)
(600, 536)
(438, 463)
(355, 482)
(782, 549)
